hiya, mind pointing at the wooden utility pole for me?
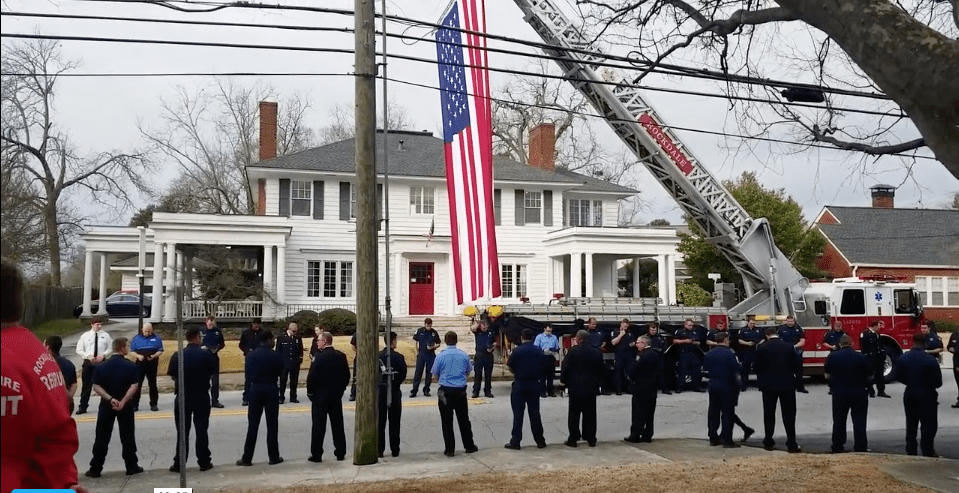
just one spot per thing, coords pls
(367, 319)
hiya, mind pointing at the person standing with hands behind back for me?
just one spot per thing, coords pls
(147, 347)
(212, 340)
(327, 381)
(427, 340)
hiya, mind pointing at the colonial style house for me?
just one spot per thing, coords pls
(914, 245)
(557, 232)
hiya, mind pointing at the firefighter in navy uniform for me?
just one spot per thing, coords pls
(749, 337)
(289, 345)
(921, 375)
(393, 371)
(658, 343)
(645, 375)
(263, 367)
(483, 359)
(871, 348)
(625, 343)
(831, 341)
(427, 340)
(723, 369)
(250, 339)
(791, 333)
(526, 362)
(199, 366)
(953, 347)
(213, 341)
(329, 376)
(848, 373)
(689, 370)
(115, 381)
(931, 340)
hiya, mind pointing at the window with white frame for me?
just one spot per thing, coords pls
(582, 212)
(301, 195)
(353, 200)
(513, 280)
(421, 200)
(938, 290)
(533, 203)
(329, 279)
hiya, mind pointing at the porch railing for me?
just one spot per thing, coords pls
(222, 309)
(317, 307)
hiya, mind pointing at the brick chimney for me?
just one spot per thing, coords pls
(267, 130)
(883, 196)
(542, 146)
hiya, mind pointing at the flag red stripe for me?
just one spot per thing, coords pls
(454, 223)
(477, 235)
(466, 165)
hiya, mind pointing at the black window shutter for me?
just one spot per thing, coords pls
(285, 197)
(317, 199)
(497, 206)
(520, 207)
(547, 208)
(344, 201)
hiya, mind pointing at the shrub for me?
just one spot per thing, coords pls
(337, 321)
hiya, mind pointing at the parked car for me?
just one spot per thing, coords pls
(121, 304)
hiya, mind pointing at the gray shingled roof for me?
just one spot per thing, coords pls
(869, 235)
(421, 154)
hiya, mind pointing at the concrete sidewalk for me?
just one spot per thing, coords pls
(937, 474)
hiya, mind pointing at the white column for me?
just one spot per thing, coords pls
(589, 275)
(550, 269)
(636, 277)
(169, 312)
(267, 280)
(156, 310)
(396, 290)
(87, 283)
(575, 274)
(104, 271)
(661, 282)
(671, 276)
(188, 274)
(281, 273)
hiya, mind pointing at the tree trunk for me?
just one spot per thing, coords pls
(915, 65)
(53, 239)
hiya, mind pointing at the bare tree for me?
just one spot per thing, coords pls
(213, 134)
(43, 153)
(906, 50)
(342, 126)
(528, 101)
(23, 235)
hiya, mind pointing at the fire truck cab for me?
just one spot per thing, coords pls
(856, 302)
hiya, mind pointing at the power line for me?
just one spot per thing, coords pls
(631, 63)
(434, 62)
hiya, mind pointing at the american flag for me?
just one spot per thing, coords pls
(467, 131)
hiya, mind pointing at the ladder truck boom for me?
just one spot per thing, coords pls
(773, 285)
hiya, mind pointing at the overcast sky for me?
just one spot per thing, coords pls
(101, 113)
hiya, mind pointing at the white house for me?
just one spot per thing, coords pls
(556, 232)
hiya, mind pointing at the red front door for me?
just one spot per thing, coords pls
(421, 288)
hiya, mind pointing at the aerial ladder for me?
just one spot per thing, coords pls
(773, 285)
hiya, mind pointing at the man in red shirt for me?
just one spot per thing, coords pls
(39, 437)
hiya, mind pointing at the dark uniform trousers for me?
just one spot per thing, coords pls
(689, 371)
(525, 395)
(582, 407)
(844, 403)
(215, 380)
(787, 403)
(643, 412)
(86, 383)
(328, 407)
(748, 358)
(198, 411)
(424, 362)
(549, 373)
(483, 372)
(921, 409)
(291, 372)
(392, 413)
(621, 371)
(878, 363)
(720, 415)
(147, 369)
(452, 400)
(263, 399)
(104, 432)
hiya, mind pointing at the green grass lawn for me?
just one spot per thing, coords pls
(60, 327)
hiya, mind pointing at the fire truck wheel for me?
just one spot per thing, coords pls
(893, 353)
